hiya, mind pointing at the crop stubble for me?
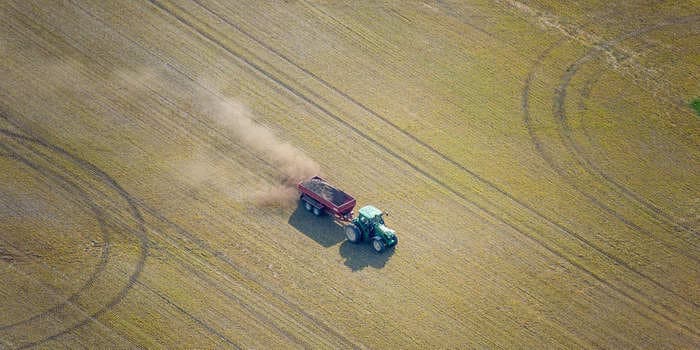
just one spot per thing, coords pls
(479, 199)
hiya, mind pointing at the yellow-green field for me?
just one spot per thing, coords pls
(540, 161)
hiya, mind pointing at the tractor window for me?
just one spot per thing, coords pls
(380, 219)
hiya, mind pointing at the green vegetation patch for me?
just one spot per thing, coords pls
(695, 104)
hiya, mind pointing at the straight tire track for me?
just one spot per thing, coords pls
(447, 187)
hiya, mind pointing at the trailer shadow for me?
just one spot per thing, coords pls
(358, 256)
(324, 230)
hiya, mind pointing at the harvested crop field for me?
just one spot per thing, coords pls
(540, 161)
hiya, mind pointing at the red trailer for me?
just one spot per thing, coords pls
(319, 196)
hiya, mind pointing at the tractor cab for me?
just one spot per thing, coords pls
(369, 225)
(370, 215)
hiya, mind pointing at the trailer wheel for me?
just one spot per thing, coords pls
(317, 211)
(352, 233)
(378, 245)
(307, 205)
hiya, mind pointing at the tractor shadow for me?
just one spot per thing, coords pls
(322, 229)
(360, 255)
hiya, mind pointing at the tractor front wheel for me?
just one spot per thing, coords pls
(378, 245)
(352, 233)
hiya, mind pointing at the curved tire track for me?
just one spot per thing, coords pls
(53, 174)
(202, 244)
(560, 116)
(575, 149)
(585, 95)
(134, 211)
(69, 187)
(568, 178)
(287, 87)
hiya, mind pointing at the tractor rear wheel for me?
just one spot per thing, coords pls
(352, 233)
(378, 245)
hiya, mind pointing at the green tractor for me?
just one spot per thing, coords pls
(369, 226)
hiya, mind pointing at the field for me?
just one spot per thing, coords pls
(540, 162)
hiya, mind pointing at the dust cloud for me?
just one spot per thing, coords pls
(204, 100)
(290, 162)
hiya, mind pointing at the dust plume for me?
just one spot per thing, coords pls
(73, 80)
(291, 163)
(283, 196)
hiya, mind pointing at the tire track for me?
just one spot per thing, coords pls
(69, 187)
(202, 244)
(559, 114)
(585, 96)
(29, 256)
(257, 68)
(238, 300)
(192, 317)
(574, 148)
(189, 116)
(71, 300)
(450, 12)
(289, 89)
(568, 179)
(540, 149)
(169, 302)
(345, 340)
(395, 126)
(249, 276)
(139, 232)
